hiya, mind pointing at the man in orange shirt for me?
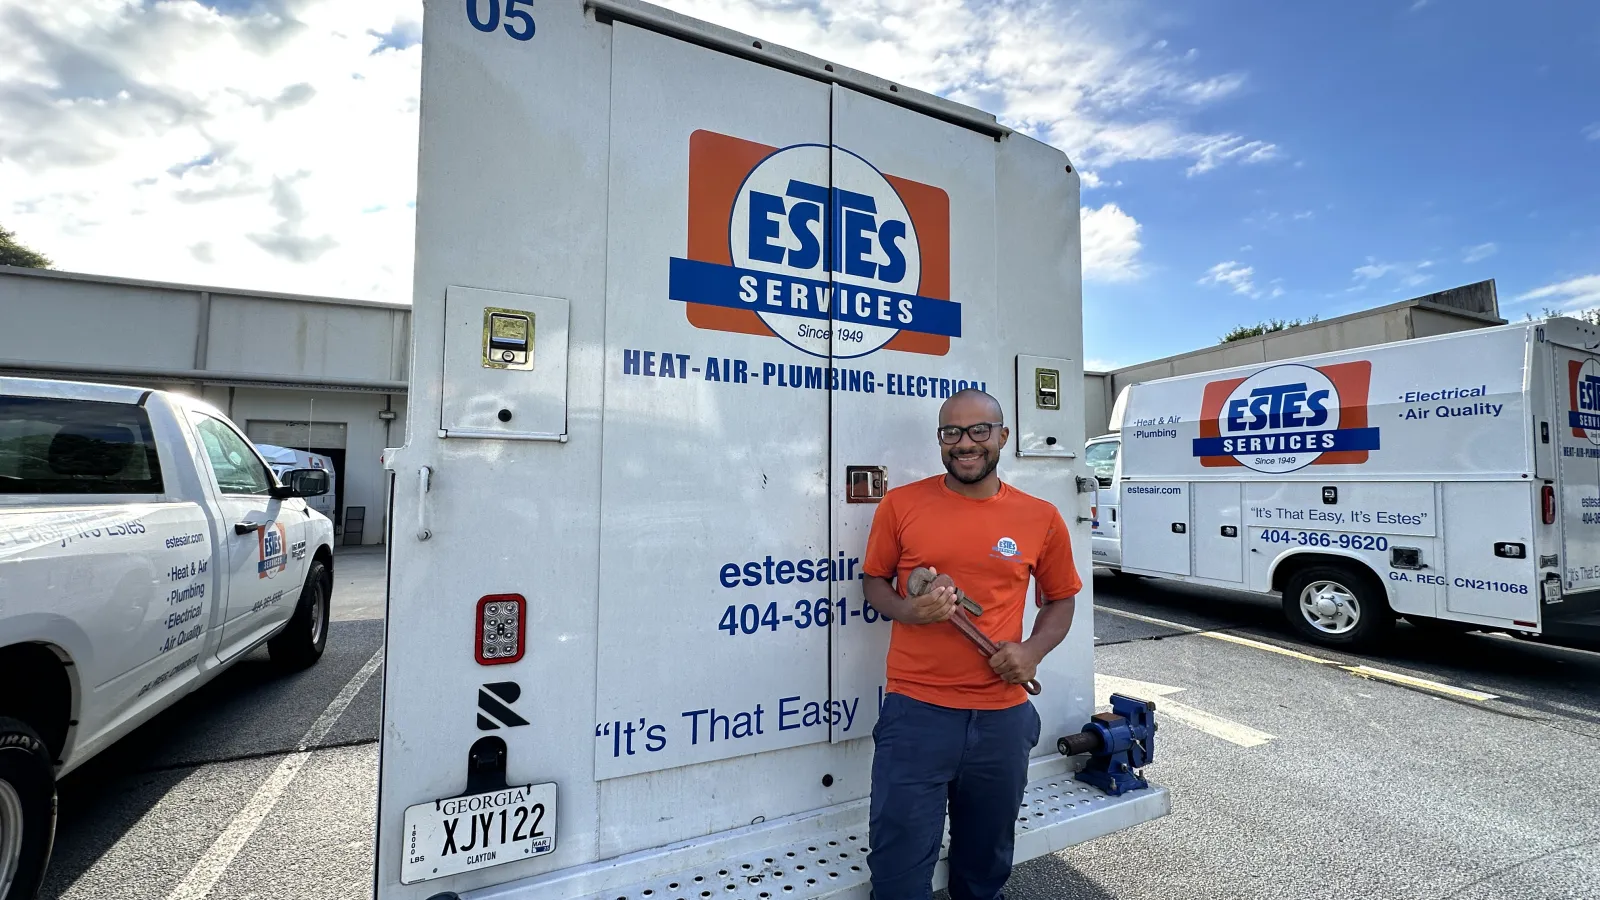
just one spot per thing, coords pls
(956, 729)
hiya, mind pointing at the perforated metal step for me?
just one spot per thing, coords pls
(829, 858)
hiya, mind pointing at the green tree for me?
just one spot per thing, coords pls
(1241, 332)
(1591, 316)
(13, 253)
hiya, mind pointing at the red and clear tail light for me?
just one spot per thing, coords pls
(501, 628)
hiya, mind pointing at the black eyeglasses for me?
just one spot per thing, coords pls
(978, 431)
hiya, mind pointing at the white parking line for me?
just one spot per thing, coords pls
(1198, 719)
(1400, 678)
(209, 870)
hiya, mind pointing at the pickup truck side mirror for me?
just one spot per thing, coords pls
(302, 483)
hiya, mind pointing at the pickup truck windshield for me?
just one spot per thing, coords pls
(50, 446)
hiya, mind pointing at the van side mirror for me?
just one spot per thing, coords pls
(302, 483)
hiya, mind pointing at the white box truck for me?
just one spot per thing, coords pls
(686, 305)
(1452, 480)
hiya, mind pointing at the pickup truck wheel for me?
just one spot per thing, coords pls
(302, 642)
(27, 810)
(1337, 606)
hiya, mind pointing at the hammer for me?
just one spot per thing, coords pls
(922, 580)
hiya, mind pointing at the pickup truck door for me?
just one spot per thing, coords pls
(263, 573)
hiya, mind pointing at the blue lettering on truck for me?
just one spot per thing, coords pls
(1287, 417)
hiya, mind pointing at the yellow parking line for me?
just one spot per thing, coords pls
(1188, 629)
(1232, 639)
(1422, 684)
(1270, 648)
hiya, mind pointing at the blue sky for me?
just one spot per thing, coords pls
(1242, 160)
(1418, 148)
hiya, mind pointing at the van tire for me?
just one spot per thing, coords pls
(28, 798)
(301, 643)
(1337, 606)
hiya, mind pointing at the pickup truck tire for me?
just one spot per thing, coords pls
(1337, 606)
(301, 643)
(27, 809)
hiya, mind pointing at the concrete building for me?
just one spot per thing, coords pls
(1457, 309)
(329, 375)
(313, 373)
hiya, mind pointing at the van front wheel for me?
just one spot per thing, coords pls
(1337, 606)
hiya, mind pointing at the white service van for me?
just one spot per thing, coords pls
(686, 306)
(286, 459)
(1452, 480)
(144, 548)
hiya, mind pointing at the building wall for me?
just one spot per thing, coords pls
(366, 483)
(1097, 399)
(255, 356)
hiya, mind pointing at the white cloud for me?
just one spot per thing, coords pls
(1592, 132)
(1215, 151)
(1480, 252)
(273, 149)
(1094, 364)
(1582, 292)
(1304, 215)
(1407, 274)
(1110, 244)
(1082, 78)
(271, 144)
(1089, 180)
(1233, 275)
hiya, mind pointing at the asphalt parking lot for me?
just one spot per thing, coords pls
(1460, 768)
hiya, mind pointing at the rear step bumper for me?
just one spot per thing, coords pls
(821, 854)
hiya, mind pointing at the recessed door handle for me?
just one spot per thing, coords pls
(246, 527)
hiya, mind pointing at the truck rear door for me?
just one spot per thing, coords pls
(1577, 429)
(713, 528)
(899, 176)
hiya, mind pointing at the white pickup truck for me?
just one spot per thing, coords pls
(144, 547)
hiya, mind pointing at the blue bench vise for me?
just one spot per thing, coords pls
(1119, 744)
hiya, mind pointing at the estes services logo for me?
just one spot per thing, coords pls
(1006, 547)
(1583, 413)
(1288, 417)
(814, 245)
(274, 550)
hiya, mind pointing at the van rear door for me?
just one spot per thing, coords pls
(1577, 429)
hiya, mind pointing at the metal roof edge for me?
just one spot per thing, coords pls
(58, 275)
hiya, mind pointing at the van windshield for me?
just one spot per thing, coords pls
(1102, 459)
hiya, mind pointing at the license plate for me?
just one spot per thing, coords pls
(461, 834)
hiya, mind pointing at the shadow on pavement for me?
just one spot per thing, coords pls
(250, 710)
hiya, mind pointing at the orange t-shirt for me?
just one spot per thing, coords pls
(989, 547)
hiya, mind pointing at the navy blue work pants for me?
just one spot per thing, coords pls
(927, 757)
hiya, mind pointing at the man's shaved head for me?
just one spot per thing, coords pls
(969, 399)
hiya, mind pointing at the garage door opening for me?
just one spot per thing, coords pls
(324, 438)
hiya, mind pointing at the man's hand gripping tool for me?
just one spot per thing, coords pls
(919, 583)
